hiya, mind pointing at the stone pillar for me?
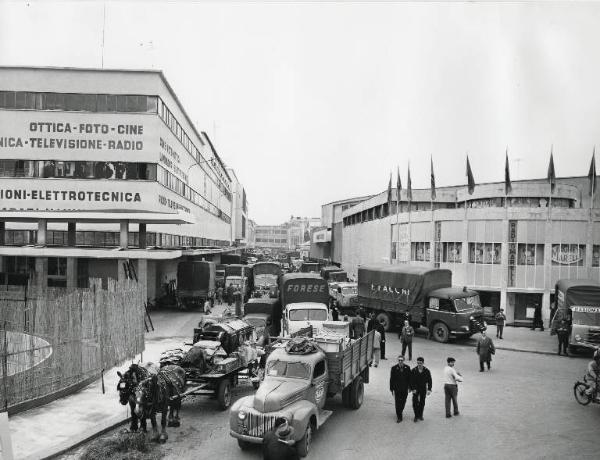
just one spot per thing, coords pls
(41, 232)
(41, 272)
(124, 239)
(71, 272)
(71, 234)
(142, 236)
(2, 232)
(142, 274)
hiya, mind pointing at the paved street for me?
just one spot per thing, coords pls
(523, 408)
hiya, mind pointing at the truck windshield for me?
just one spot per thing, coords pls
(467, 303)
(286, 369)
(586, 319)
(256, 322)
(308, 314)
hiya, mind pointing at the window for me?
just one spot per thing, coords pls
(57, 266)
(420, 251)
(319, 369)
(485, 253)
(452, 252)
(530, 254)
(596, 256)
(446, 305)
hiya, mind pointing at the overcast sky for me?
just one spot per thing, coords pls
(315, 102)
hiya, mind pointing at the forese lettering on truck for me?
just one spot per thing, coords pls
(306, 288)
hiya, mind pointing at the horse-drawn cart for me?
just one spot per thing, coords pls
(222, 354)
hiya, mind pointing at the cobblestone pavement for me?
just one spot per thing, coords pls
(524, 408)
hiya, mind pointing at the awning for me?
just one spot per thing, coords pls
(98, 217)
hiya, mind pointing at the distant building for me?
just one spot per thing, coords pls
(272, 237)
(239, 215)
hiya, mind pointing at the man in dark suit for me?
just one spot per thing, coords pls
(399, 385)
(379, 328)
(420, 385)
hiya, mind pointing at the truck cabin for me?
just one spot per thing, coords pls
(578, 302)
(304, 314)
(325, 271)
(263, 313)
(282, 365)
(309, 267)
(454, 301)
(231, 334)
(338, 276)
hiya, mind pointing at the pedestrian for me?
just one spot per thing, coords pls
(206, 309)
(406, 336)
(485, 350)
(335, 313)
(500, 319)
(376, 348)
(420, 385)
(451, 379)
(399, 384)
(220, 295)
(357, 326)
(371, 322)
(278, 444)
(563, 336)
(537, 318)
(379, 328)
(229, 295)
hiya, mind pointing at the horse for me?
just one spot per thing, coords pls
(161, 393)
(128, 382)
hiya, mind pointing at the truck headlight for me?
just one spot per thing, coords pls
(578, 337)
(471, 318)
(242, 414)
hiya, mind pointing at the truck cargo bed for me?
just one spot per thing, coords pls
(349, 363)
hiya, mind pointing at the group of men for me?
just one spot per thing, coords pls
(403, 380)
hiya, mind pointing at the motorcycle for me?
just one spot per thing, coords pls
(582, 394)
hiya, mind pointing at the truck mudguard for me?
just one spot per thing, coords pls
(401, 283)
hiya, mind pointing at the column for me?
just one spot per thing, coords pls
(142, 274)
(142, 235)
(41, 272)
(41, 232)
(71, 234)
(71, 272)
(124, 239)
(2, 232)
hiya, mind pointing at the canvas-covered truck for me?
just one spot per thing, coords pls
(578, 302)
(296, 386)
(265, 315)
(195, 283)
(425, 296)
(310, 267)
(304, 301)
(265, 276)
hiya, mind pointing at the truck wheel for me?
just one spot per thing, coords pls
(224, 394)
(440, 333)
(385, 320)
(357, 392)
(244, 445)
(346, 396)
(303, 445)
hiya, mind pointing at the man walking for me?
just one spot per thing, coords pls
(563, 336)
(357, 326)
(451, 379)
(485, 350)
(406, 336)
(500, 319)
(537, 318)
(376, 347)
(379, 328)
(420, 385)
(399, 384)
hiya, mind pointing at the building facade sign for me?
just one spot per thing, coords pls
(322, 236)
(567, 254)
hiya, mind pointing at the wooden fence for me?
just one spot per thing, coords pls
(54, 339)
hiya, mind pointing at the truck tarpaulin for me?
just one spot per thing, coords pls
(401, 283)
(303, 287)
(196, 275)
(578, 293)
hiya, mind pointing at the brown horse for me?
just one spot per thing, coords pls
(161, 393)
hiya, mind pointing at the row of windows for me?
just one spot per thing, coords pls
(271, 240)
(172, 182)
(106, 239)
(491, 253)
(262, 231)
(167, 117)
(27, 100)
(383, 210)
(78, 169)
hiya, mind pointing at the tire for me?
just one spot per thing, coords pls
(224, 394)
(357, 393)
(385, 320)
(244, 445)
(346, 396)
(440, 332)
(303, 445)
(579, 392)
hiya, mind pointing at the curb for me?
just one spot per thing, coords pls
(77, 440)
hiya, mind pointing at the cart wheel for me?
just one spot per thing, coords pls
(224, 394)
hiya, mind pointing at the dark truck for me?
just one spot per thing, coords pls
(231, 259)
(424, 296)
(265, 315)
(326, 272)
(310, 267)
(240, 276)
(195, 283)
(578, 302)
(265, 276)
(304, 301)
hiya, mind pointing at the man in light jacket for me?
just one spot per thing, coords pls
(451, 379)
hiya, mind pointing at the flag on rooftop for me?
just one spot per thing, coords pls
(592, 173)
(551, 173)
(507, 182)
(470, 180)
(433, 194)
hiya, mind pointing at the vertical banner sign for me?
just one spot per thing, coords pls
(512, 252)
(438, 244)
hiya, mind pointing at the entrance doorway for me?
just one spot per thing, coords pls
(524, 308)
(490, 301)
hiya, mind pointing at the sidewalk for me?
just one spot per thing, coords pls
(51, 429)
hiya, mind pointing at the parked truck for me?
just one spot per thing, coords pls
(578, 302)
(231, 259)
(424, 296)
(195, 283)
(265, 315)
(265, 276)
(296, 387)
(304, 301)
(310, 267)
(240, 276)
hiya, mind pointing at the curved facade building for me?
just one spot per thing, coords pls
(511, 248)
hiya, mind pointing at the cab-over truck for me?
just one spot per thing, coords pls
(296, 387)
